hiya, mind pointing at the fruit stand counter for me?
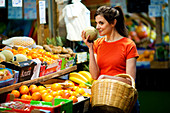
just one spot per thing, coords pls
(37, 80)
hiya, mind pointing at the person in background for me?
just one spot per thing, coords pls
(114, 53)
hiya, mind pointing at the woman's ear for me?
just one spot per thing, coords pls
(114, 23)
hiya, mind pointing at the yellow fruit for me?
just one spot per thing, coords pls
(87, 75)
(77, 80)
(79, 76)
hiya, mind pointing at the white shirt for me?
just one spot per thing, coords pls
(77, 18)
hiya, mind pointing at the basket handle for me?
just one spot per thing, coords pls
(127, 76)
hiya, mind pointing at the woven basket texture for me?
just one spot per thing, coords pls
(114, 93)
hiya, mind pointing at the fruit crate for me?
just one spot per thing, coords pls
(82, 106)
(25, 69)
(56, 106)
(10, 81)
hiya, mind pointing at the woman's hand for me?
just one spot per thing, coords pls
(85, 39)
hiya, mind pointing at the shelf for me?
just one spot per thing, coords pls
(40, 79)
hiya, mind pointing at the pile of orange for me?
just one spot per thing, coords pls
(34, 92)
(36, 53)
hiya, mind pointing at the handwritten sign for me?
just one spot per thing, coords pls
(42, 13)
(158, 2)
(121, 3)
(155, 10)
(16, 3)
(14, 12)
(2, 3)
(30, 9)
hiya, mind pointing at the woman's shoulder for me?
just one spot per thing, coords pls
(99, 40)
(128, 41)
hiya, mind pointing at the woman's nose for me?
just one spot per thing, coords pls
(97, 27)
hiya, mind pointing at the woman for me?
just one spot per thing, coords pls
(114, 53)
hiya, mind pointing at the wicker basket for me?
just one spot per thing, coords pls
(114, 93)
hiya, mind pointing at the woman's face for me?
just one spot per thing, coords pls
(103, 26)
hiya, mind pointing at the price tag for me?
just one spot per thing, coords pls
(158, 2)
(2, 3)
(42, 12)
(16, 3)
(155, 10)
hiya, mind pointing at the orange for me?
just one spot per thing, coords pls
(34, 56)
(61, 92)
(49, 90)
(58, 96)
(44, 95)
(24, 89)
(80, 90)
(33, 88)
(54, 57)
(41, 51)
(146, 53)
(48, 98)
(16, 93)
(20, 48)
(26, 97)
(41, 88)
(75, 88)
(43, 91)
(36, 96)
(82, 85)
(86, 95)
(56, 86)
(74, 98)
(66, 95)
(74, 93)
(48, 54)
(54, 93)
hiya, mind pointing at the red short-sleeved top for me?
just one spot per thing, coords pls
(112, 56)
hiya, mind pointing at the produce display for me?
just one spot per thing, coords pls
(46, 92)
(146, 55)
(81, 77)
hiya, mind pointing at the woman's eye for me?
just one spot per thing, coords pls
(101, 23)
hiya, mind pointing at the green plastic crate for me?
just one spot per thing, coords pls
(66, 106)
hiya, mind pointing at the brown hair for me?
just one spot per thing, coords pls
(110, 14)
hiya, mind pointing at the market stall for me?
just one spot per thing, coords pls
(47, 52)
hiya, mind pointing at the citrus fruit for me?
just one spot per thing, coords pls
(86, 95)
(16, 93)
(75, 88)
(44, 95)
(48, 98)
(61, 92)
(80, 90)
(56, 86)
(49, 90)
(41, 88)
(33, 88)
(24, 89)
(43, 91)
(66, 95)
(54, 93)
(58, 96)
(74, 98)
(36, 96)
(74, 93)
(26, 97)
